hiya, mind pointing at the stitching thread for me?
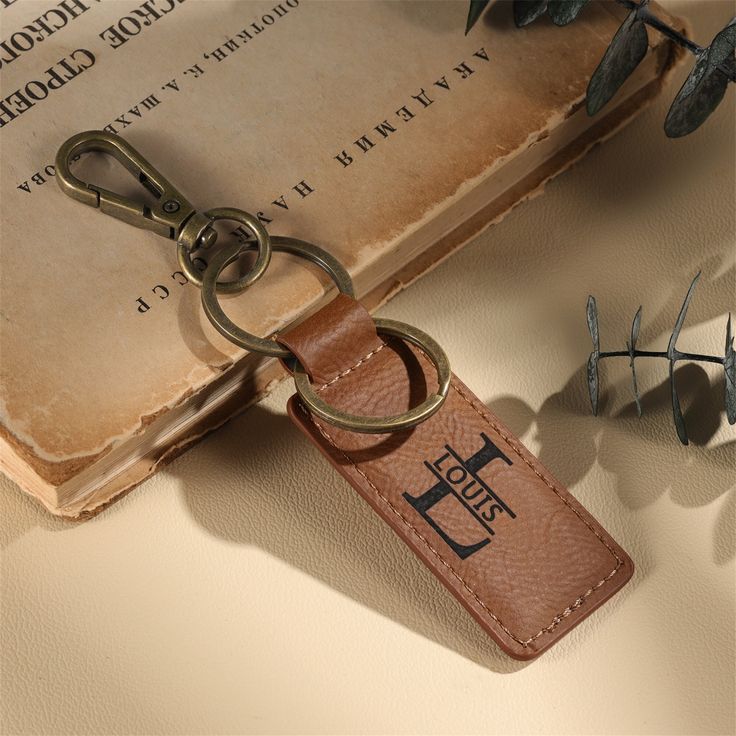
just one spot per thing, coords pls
(352, 368)
(556, 620)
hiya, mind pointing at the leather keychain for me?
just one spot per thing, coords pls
(378, 400)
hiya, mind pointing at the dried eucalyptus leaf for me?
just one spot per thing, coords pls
(592, 315)
(676, 409)
(593, 381)
(627, 49)
(729, 367)
(705, 86)
(730, 371)
(637, 398)
(671, 349)
(563, 12)
(635, 326)
(527, 11)
(474, 12)
(722, 46)
(697, 99)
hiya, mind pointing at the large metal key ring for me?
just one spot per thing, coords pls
(355, 422)
(226, 327)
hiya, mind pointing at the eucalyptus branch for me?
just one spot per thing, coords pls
(659, 25)
(672, 354)
(700, 95)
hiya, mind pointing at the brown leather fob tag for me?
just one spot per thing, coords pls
(511, 544)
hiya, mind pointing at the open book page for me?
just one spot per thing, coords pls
(358, 126)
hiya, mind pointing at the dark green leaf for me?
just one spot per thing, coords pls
(592, 315)
(722, 46)
(699, 97)
(635, 325)
(593, 381)
(627, 49)
(671, 348)
(474, 12)
(672, 354)
(637, 397)
(705, 86)
(676, 409)
(563, 12)
(527, 11)
(729, 366)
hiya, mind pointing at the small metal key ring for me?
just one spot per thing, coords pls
(172, 216)
(371, 425)
(226, 327)
(262, 242)
(395, 422)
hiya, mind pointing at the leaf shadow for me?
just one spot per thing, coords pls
(642, 454)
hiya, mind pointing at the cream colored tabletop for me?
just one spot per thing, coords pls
(247, 589)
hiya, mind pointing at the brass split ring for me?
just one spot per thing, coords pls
(262, 243)
(268, 346)
(226, 327)
(396, 422)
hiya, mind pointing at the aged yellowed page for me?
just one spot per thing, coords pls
(375, 129)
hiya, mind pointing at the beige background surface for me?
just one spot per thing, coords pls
(247, 589)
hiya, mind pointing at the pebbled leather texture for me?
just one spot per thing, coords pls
(326, 342)
(514, 547)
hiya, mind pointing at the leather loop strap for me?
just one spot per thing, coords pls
(334, 339)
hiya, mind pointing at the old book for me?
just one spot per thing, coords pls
(377, 130)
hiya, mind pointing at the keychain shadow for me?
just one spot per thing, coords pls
(642, 454)
(20, 514)
(334, 536)
(322, 527)
(298, 509)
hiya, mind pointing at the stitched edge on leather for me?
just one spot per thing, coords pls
(556, 620)
(352, 367)
(619, 562)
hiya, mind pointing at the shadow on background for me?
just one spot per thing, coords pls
(300, 510)
(310, 518)
(643, 454)
(272, 490)
(306, 515)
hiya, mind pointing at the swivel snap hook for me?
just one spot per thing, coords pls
(172, 216)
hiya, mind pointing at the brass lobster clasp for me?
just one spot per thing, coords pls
(170, 216)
